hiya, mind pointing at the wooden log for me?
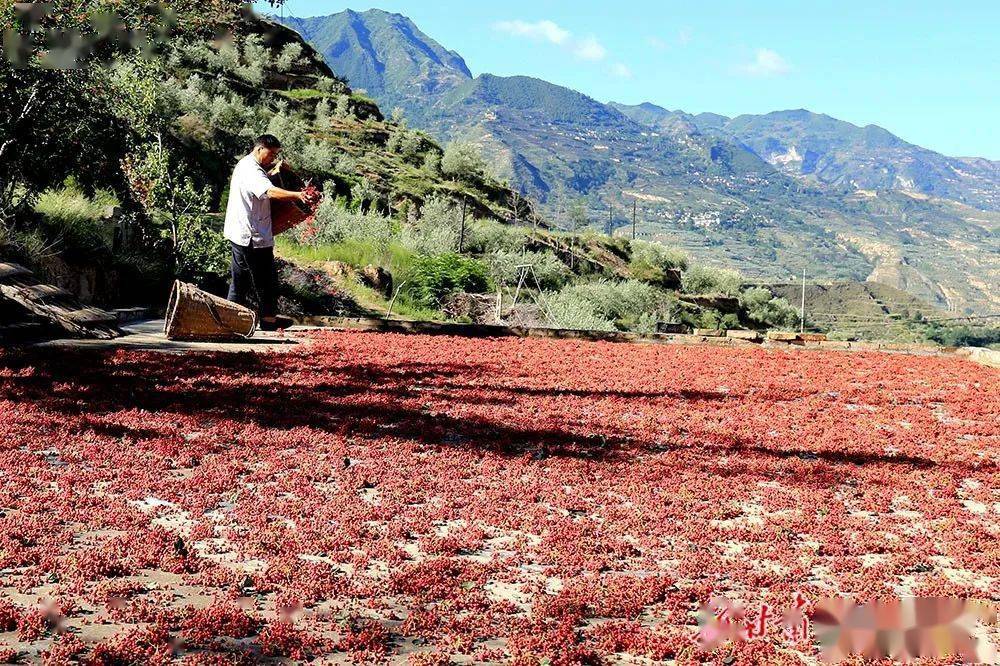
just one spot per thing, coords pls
(45, 292)
(12, 270)
(58, 315)
(91, 316)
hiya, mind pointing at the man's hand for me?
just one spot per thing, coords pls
(278, 194)
(310, 197)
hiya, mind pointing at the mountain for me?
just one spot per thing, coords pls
(770, 195)
(818, 147)
(384, 54)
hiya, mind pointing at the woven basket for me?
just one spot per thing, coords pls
(193, 314)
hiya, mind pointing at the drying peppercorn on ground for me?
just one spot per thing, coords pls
(411, 498)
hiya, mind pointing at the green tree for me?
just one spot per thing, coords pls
(463, 161)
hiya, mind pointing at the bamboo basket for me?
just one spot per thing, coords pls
(193, 315)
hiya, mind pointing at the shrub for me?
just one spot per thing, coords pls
(343, 108)
(255, 58)
(432, 162)
(549, 270)
(246, 61)
(763, 309)
(430, 241)
(28, 246)
(437, 230)
(74, 220)
(634, 305)
(440, 211)
(292, 131)
(323, 114)
(569, 311)
(207, 106)
(366, 194)
(318, 158)
(618, 300)
(715, 320)
(202, 251)
(290, 56)
(463, 161)
(395, 142)
(8, 238)
(331, 86)
(412, 145)
(657, 256)
(346, 164)
(963, 336)
(708, 280)
(488, 236)
(337, 224)
(434, 278)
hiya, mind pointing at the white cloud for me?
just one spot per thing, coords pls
(766, 63)
(621, 70)
(684, 36)
(590, 49)
(584, 48)
(657, 43)
(542, 31)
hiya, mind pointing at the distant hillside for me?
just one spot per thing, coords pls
(834, 152)
(853, 306)
(768, 195)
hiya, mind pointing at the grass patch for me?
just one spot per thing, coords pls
(75, 222)
(304, 93)
(359, 253)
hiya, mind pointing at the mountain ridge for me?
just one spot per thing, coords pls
(805, 143)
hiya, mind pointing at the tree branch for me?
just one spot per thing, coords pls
(32, 98)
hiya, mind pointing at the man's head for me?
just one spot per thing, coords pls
(267, 149)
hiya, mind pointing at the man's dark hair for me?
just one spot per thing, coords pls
(268, 141)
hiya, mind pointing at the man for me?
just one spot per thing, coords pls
(248, 230)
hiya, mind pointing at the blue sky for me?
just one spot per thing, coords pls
(927, 71)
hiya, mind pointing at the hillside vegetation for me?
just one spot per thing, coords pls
(121, 170)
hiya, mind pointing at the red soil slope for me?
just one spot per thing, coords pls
(406, 497)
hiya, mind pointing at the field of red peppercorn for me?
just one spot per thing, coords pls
(409, 498)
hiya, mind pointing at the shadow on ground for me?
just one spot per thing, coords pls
(291, 391)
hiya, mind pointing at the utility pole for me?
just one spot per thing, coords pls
(635, 205)
(802, 313)
(611, 219)
(461, 236)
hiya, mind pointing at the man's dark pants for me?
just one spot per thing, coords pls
(253, 270)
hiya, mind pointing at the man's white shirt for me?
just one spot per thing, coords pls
(248, 214)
